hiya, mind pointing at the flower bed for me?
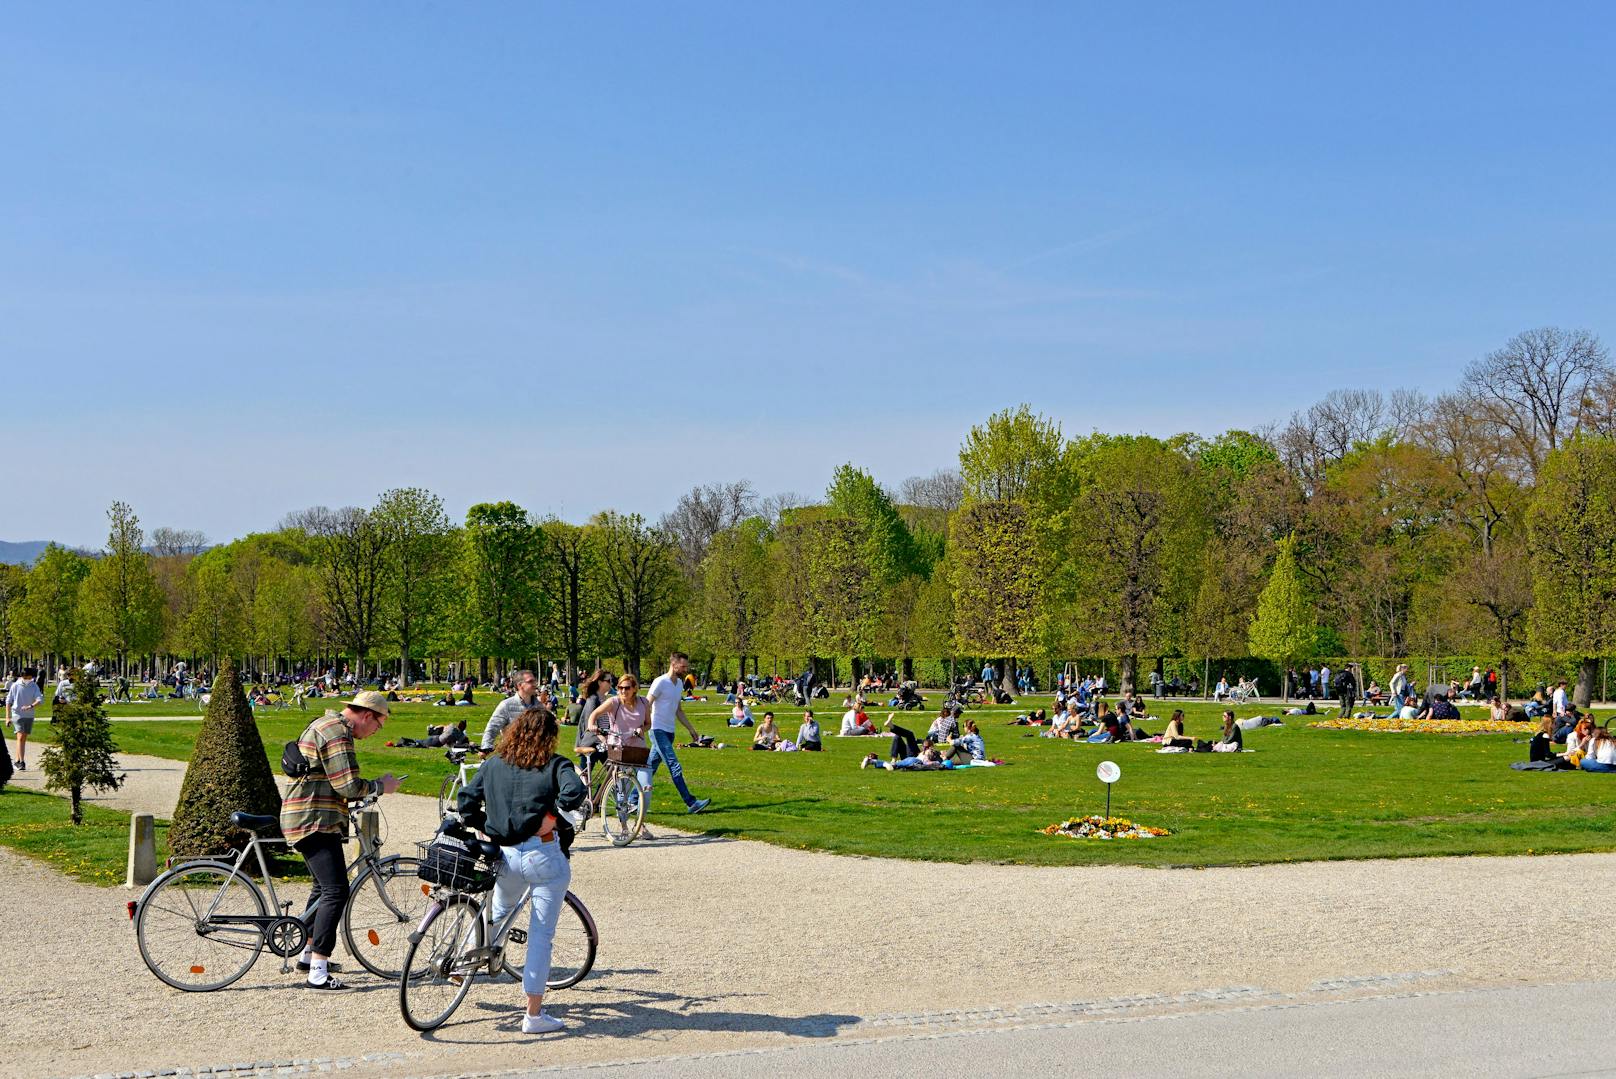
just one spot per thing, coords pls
(1098, 827)
(1427, 726)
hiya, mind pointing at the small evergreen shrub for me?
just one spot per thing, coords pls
(229, 772)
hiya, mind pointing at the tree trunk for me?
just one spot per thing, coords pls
(1587, 671)
(77, 798)
(1130, 669)
(1007, 677)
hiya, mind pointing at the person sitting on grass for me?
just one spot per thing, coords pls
(767, 733)
(740, 715)
(1173, 737)
(855, 723)
(1578, 740)
(945, 727)
(1232, 740)
(1440, 708)
(1069, 724)
(1109, 727)
(808, 734)
(1600, 753)
(967, 747)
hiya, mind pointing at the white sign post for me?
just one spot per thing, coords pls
(1108, 773)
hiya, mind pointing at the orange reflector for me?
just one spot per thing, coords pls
(426, 889)
(374, 937)
(196, 970)
(131, 910)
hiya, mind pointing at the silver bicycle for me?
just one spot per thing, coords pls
(202, 924)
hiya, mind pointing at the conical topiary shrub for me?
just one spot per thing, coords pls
(228, 772)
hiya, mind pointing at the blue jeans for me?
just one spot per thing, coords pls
(662, 752)
(1101, 735)
(1590, 765)
(543, 871)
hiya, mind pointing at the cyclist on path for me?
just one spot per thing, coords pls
(314, 816)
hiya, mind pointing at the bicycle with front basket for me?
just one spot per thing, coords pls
(613, 788)
(202, 924)
(457, 939)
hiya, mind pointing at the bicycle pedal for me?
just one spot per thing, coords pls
(517, 936)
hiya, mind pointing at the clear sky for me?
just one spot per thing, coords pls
(261, 256)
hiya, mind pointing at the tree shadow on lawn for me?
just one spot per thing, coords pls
(722, 807)
(634, 1013)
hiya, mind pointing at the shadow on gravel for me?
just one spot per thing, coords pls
(634, 1013)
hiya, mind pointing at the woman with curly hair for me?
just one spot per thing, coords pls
(516, 799)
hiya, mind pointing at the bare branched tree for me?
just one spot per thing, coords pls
(1539, 388)
(1316, 439)
(314, 520)
(942, 490)
(702, 513)
(178, 542)
(775, 506)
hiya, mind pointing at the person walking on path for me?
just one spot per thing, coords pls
(21, 700)
(525, 697)
(314, 816)
(517, 799)
(666, 694)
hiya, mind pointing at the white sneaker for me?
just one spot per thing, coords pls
(543, 1023)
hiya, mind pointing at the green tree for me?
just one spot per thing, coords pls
(121, 604)
(505, 565)
(228, 772)
(285, 612)
(355, 570)
(1285, 627)
(1136, 548)
(47, 616)
(1015, 457)
(416, 535)
(735, 589)
(572, 582)
(213, 623)
(996, 586)
(13, 586)
(1570, 524)
(640, 582)
(83, 754)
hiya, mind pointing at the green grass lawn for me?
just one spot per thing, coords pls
(95, 852)
(1303, 794)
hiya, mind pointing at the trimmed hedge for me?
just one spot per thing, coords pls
(229, 771)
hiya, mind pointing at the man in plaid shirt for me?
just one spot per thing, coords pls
(314, 818)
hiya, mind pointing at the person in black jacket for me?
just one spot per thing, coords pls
(517, 799)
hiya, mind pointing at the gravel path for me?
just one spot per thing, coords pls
(716, 945)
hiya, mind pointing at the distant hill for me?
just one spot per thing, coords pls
(22, 554)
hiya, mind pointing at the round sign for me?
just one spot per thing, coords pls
(1108, 772)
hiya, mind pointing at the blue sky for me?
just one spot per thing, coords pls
(256, 257)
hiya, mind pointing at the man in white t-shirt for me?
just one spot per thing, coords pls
(1562, 702)
(21, 700)
(666, 694)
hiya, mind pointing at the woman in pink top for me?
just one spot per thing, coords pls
(627, 715)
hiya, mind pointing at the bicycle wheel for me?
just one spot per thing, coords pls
(448, 792)
(622, 809)
(184, 933)
(572, 949)
(385, 905)
(572, 954)
(437, 973)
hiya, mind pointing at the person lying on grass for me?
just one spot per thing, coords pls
(906, 755)
(767, 734)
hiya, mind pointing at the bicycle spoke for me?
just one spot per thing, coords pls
(180, 936)
(436, 971)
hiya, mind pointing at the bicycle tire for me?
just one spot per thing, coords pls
(170, 921)
(432, 962)
(572, 954)
(447, 792)
(384, 924)
(622, 808)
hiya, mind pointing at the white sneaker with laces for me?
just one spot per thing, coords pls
(543, 1023)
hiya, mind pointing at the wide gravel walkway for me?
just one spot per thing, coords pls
(715, 945)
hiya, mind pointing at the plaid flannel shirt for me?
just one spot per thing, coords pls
(318, 802)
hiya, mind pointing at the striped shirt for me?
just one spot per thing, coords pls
(318, 802)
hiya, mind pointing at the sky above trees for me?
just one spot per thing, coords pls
(295, 255)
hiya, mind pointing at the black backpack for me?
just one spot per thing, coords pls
(293, 764)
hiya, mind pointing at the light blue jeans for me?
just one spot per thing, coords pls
(662, 753)
(543, 871)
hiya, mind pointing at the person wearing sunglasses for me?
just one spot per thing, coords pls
(314, 819)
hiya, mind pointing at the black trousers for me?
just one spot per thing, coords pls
(903, 743)
(322, 853)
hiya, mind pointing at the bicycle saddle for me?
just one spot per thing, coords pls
(252, 822)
